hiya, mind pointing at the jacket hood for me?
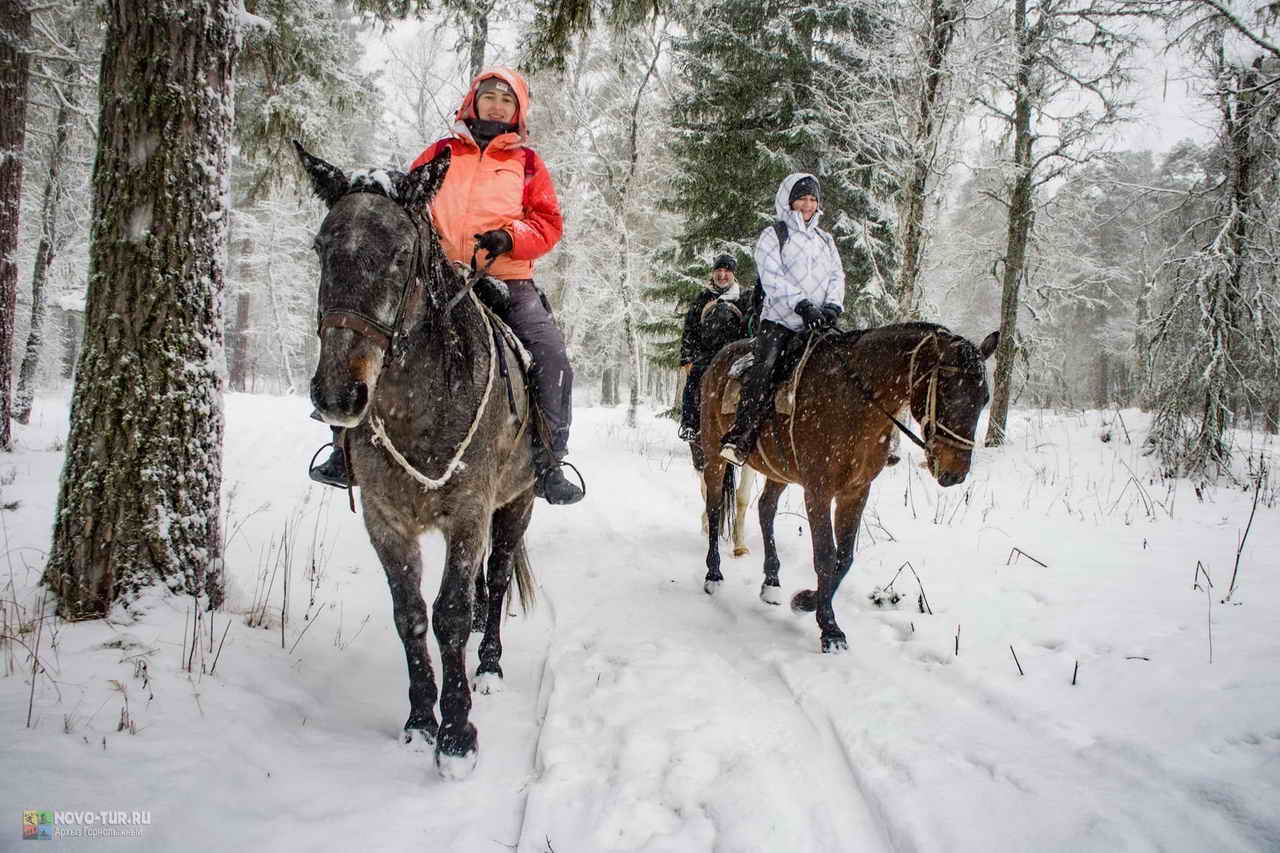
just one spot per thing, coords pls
(782, 202)
(513, 79)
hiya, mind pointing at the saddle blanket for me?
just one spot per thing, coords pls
(784, 399)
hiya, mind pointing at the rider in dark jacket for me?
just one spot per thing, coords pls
(698, 346)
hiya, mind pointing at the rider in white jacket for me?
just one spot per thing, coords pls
(803, 285)
(806, 267)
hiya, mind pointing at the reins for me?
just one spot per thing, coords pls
(455, 463)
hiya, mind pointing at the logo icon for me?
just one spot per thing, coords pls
(37, 826)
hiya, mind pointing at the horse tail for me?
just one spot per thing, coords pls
(524, 582)
(728, 505)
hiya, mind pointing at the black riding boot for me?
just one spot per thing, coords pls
(549, 482)
(753, 403)
(333, 471)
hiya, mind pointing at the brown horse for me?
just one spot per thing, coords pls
(408, 364)
(837, 441)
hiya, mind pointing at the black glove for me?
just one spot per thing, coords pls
(831, 312)
(494, 242)
(811, 314)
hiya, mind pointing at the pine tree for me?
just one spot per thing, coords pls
(140, 491)
(758, 81)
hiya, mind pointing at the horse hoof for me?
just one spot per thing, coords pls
(457, 754)
(488, 683)
(771, 594)
(834, 644)
(710, 587)
(804, 601)
(420, 737)
(741, 552)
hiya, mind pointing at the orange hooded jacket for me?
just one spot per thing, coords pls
(504, 186)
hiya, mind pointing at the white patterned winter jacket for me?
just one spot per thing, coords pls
(807, 267)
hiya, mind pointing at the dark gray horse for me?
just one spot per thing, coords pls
(434, 442)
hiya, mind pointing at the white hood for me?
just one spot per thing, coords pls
(782, 203)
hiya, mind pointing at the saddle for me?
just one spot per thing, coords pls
(786, 378)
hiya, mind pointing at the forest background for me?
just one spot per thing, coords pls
(985, 163)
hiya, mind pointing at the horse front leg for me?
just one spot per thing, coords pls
(713, 488)
(818, 508)
(771, 589)
(480, 604)
(507, 534)
(746, 484)
(456, 746)
(848, 518)
(402, 561)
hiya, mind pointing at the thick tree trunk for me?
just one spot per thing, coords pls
(943, 19)
(48, 248)
(1019, 231)
(139, 496)
(15, 76)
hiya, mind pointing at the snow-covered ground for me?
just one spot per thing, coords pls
(640, 714)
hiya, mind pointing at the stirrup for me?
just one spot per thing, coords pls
(313, 468)
(731, 454)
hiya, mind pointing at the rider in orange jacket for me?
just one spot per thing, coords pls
(497, 203)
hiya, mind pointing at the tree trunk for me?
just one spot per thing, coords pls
(479, 38)
(140, 491)
(238, 363)
(1019, 231)
(631, 335)
(48, 248)
(73, 334)
(15, 75)
(1102, 381)
(238, 342)
(928, 122)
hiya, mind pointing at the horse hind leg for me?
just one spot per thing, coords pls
(742, 499)
(713, 477)
(771, 589)
(402, 561)
(509, 525)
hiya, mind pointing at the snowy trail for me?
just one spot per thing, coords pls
(640, 714)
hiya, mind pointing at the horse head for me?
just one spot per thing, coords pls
(949, 392)
(374, 248)
(721, 324)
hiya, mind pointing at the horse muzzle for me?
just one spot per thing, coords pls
(344, 406)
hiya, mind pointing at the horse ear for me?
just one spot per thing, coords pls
(416, 189)
(989, 344)
(328, 181)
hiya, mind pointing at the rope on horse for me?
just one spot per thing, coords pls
(428, 483)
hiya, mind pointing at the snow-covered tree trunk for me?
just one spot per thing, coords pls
(139, 497)
(941, 19)
(15, 75)
(1020, 211)
(49, 243)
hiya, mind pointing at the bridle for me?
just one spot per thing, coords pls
(936, 432)
(389, 337)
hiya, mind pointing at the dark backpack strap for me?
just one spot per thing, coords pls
(780, 228)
